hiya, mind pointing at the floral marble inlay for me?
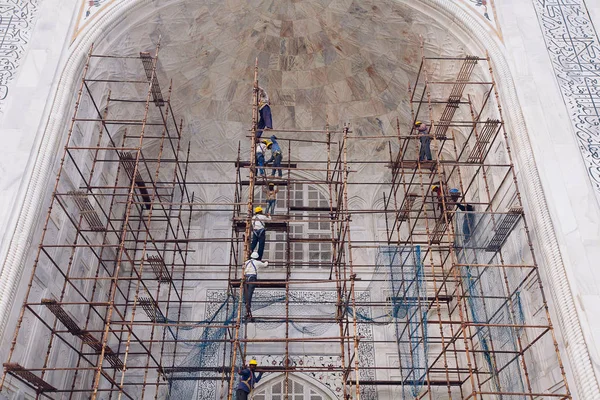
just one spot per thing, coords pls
(88, 10)
(485, 10)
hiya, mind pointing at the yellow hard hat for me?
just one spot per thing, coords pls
(267, 142)
(258, 209)
(253, 362)
(418, 123)
(434, 187)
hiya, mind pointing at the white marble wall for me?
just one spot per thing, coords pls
(25, 110)
(574, 208)
(569, 193)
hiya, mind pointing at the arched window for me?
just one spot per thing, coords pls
(301, 195)
(298, 390)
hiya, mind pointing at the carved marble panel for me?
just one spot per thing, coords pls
(574, 50)
(207, 389)
(17, 19)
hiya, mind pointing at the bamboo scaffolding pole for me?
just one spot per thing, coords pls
(132, 227)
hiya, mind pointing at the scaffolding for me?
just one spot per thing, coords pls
(451, 289)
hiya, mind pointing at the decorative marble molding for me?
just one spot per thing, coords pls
(17, 19)
(574, 50)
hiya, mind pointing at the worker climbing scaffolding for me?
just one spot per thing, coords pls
(261, 149)
(259, 231)
(425, 140)
(251, 268)
(271, 194)
(248, 379)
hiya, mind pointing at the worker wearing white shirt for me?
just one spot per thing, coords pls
(259, 231)
(251, 268)
(261, 149)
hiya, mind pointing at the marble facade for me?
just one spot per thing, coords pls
(321, 63)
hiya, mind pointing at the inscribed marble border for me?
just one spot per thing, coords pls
(574, 50)
(17, 19)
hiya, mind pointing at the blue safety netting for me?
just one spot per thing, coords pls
(402, 268)
(494, 297)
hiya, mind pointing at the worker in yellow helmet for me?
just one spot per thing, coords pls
(261, 149)
(436, 193)
(259, 231)
(425, 139)
(248, 379)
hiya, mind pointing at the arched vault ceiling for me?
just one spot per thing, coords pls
(320, 60)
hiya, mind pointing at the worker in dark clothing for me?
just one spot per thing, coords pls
(436, 193)
(248, 379)
(469, 220)
(276, 156)
(264, 110)
(423, 132)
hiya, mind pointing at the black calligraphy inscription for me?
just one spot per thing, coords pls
(16, 23)
(574, 50)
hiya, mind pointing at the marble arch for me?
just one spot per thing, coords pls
(303, 379)
(468, 30)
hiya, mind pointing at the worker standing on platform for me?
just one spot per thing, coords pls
(276, 156)
(251, 274)
(264, 110)
(261, 149)
(271, 199)
(247, 380)
(423, 132)
(259, 231)
(469, 219)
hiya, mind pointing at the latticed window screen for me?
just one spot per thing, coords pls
(301, 195)
(297, 391)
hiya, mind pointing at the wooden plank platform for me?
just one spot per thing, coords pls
(412, 164)
(317, 209)
(265, 283)
(262, 182)
(441, 299)
(407, 382)
(29, 377)
(243, 164)
(272, 226)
